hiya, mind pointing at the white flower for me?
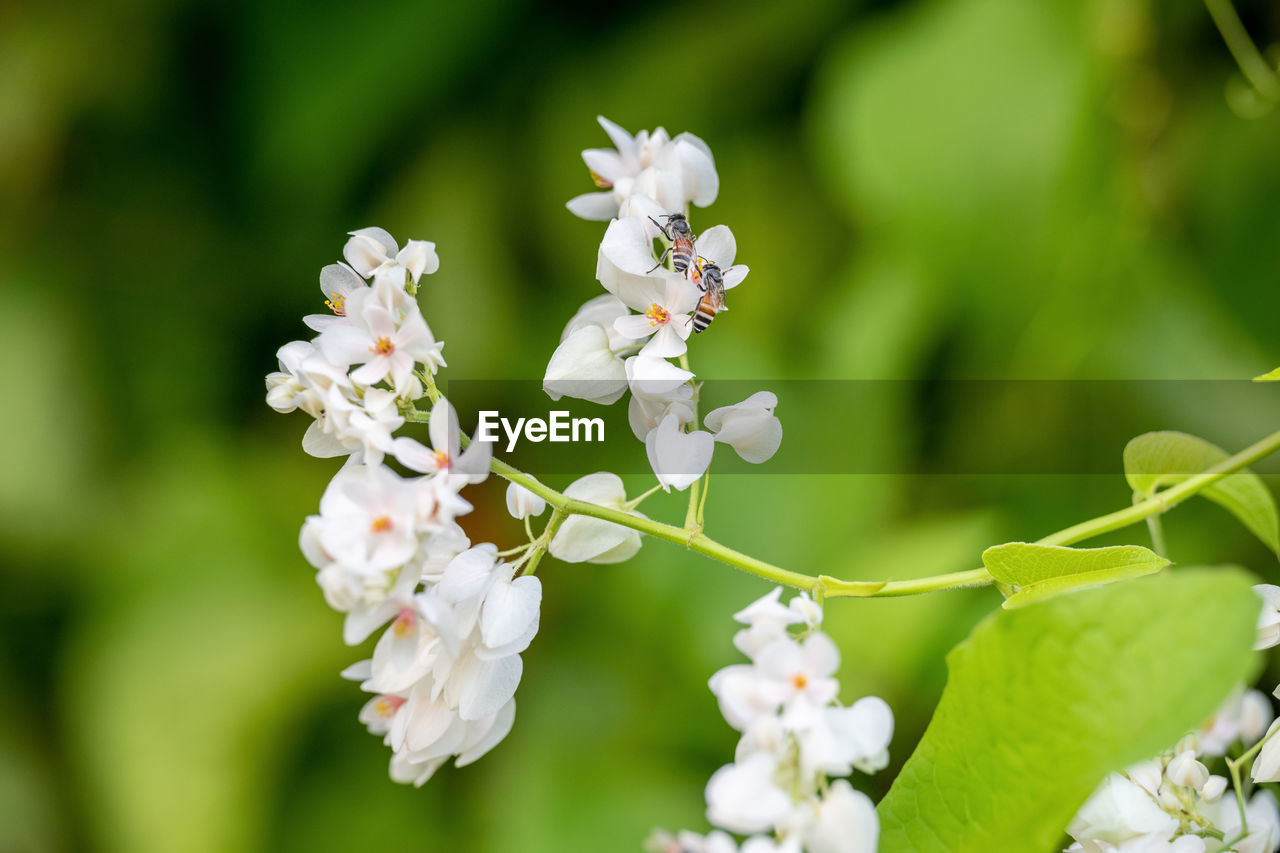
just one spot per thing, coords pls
(592, 540)
(749, 427)
(766, 619)
(717, 245)
(586, 367)
(744, 797)
(1269, 618)
(601, 311)
(1118, 811)
(671, 172)
(384, 346)
(288, 389)
(667, 318)
(802, 672)
(337, 282)
(445, 456)
(362, 428)
(624, 264)
(678, 458)
(1264, 823)
(745, 696)
(522, 503)
(841, 739)
(367, 518)
(1255, 716)
(372, 252)
(661, 841)
(1185, 770)
(846, 822)
(1214, 788)
(1266, 767)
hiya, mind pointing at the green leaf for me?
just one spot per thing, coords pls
(1043, 702)
(1273, 376)
(1156, 460)
(1037, 572)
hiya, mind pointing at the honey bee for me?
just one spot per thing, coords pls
(710, 280)
(681, 236)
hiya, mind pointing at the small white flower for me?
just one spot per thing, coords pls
(1118, 811)
(586, 367)
(382, 345)
(1266, 766)
(802, 672)
(841, 739)
(678, 458)
(522, 503)
(846, 822)
(287, 389)
(666, 321)
(749, 427)
(744, 797)
(592, 540)
(337, 282)
(445, 456)
(1186, 771)
(367, 515)
(372, 252)
(1213, 789)
(671, 172)
(766, 619)
(1269, 617)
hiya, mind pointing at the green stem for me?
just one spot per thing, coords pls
(1156, 528)
(1252, 64)
(825, 586)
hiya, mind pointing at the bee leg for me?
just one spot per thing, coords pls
(661, 228)
(661, 259)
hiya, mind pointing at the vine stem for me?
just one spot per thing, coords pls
(1252, 64)
(825, 586)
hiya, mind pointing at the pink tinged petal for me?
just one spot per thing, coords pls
(363, 621)
(598, 207)
(584, 367)
(344, 345)
(419, 258)
(488, 685)
(678, 458)
(635, 326)
(493, 735)
(623, 141)
(606, 163)
(734, 276)
(510, 611)
(413, 455)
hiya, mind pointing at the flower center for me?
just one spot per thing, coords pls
(337, 303)
(658, 316)
(382, 346)
(381, 524)
(799, 681)
(386, 706)
(602, 183)
(406, 622)
(442, 459)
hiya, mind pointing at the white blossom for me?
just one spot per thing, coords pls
(671, 172)
(372, 252)
(591, 540)
(1269, 617)
(522, 503)
(749, 427)
(678, 458)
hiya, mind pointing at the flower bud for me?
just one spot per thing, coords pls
(1185, 770)
(522, 503)
(1214, 788)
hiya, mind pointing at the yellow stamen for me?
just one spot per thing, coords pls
(337, 304)
(657, 315)
(602, 183)
(382, 346)
(799, 680)
(381, 524)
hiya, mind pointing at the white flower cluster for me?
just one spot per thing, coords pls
(625, 340)
(795, 735)
(389, 548)
(1173, 804)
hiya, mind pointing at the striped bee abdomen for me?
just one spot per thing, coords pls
(705, 313)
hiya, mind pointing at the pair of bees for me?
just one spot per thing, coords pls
(707, 276)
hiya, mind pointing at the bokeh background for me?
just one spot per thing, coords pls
(931, 190)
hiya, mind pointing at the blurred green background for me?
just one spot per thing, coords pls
(934, 190)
